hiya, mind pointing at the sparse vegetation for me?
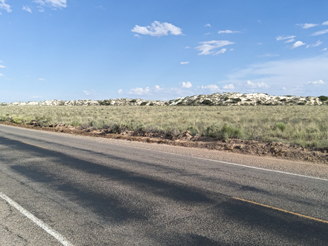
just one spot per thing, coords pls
(303, 125)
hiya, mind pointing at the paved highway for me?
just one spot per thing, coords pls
(58, 189)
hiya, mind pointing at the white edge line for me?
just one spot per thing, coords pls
(41, 224)
(235, 164)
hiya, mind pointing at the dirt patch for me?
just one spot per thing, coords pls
(249, 147)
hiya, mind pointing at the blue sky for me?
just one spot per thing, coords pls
(152, 49)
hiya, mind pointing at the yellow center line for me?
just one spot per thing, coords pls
(281, 210)
(34, 145)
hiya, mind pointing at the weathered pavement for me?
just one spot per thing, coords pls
(99, 192)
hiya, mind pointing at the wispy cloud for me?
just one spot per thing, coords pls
(227, 31)
(5, 6)
(314, 45)
(307, 25)
(297, 44)
(210, 87)
(320, 32)
(53, 3)
(28, 9)
(229, 87)
(139, 91)
(1, 75)
(289, 41)
(42, 79)
(2, 66)
(279, 38)
(221, 51)
(251, 84)
(269, 55)
(120, 91)
(158, 29)
(186, 85)
(324, 49)
(209, 47)
(208, 25)
(291, 73)
(317, 82)
(325, 23)
(184, 63)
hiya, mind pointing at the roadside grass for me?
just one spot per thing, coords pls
(302, 125)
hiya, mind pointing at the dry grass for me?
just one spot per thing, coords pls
(302, 125)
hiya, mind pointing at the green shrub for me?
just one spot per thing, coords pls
(224, 132)
(323, 98)
(207, 102)
(281, 126)
(133, 100)
(75, 123)
(143, 104)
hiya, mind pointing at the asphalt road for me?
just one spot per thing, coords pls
(90, 192)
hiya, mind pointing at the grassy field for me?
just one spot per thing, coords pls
(303, 125)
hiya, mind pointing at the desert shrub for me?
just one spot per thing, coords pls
(281, 126)
(207, 102)
(235, 100)
(143, 104)
(75, 123)
(224, 132)
(323, 98)
(133, 100)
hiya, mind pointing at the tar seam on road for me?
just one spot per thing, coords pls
(235, 164)
(40, 223)
(34, 145)
(281, 210)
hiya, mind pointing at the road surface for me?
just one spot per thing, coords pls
(60, 189)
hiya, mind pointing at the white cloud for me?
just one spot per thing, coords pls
(284, 88)
(314, 45)
(137, 35)
(307, 25)
(1, 75)
(229, 87)
(290, 40)
(5, 6)
(325, 23)
(297, 44)
(40, 9)
(139, 91)
(208, 47)
(53, 3)
(2, 66)
(285, 37)
(228, 31)
(87, 93)
(320, 32)
(256, 85)
(157, 88)
(324, 49)
(210, 87)
(184, 63)
(42, 79)
(120, 91)
(158, 29)
(232, 49)
(222, 51)
(208, 33)
(187, 47)
(28, 9)
(317, 82)
(208, 25)
(186, 85)
(292, 74)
